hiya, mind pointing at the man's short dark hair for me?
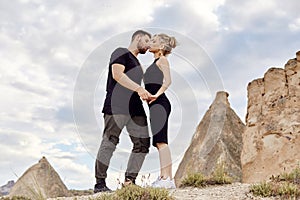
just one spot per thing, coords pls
(139, 32)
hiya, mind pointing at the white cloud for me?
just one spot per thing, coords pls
(206, 12)
(295, 25)
(244, 15)
(257, 16)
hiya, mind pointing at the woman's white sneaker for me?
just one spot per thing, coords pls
(164, 183)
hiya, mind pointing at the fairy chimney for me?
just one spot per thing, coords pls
(271, 142)
(40, 181)
(217, 141)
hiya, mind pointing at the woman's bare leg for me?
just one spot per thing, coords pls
(165, 160)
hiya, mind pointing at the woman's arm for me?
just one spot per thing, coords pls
(164, 66)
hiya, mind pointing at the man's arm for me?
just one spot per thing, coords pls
(119, 75)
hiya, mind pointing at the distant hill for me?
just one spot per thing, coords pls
(5, 189)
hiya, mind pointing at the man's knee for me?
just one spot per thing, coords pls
(145, 149)
(113, 139)
(109, 140)
(141, 145)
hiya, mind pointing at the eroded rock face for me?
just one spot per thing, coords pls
(271, 142)
(217, 140)
(40, 181)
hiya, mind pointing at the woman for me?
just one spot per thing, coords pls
(157, 79)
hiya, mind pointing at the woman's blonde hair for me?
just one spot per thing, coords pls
(169, 43)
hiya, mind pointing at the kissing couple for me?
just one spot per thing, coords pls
(123, 107)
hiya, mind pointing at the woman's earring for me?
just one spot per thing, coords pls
(160, 52)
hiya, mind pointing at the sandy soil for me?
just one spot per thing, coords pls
(235, 191)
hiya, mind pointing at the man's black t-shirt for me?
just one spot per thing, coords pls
(120, 100)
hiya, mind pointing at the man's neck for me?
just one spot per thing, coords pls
(133, 50)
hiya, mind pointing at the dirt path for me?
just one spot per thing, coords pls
(235, 191)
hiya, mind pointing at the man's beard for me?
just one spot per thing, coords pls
(141, 49)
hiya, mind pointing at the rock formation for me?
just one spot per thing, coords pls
(39, 182)
(271, 142)
(217, 140)
(4, 190)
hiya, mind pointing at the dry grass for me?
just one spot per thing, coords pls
(219, 177)
(15, 198)
(285, 185)
(133, 192)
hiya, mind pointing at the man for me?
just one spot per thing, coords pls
(123, 108)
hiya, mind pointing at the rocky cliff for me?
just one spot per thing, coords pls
(271, 142)
(217, 140)
(40, 181)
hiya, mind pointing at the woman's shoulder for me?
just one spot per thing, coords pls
(162, 61)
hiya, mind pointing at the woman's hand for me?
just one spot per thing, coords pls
(152, 98)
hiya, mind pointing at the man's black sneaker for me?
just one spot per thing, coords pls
(128, 182)
(101, 188)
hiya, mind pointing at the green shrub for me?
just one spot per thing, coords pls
(133, 192)
(15, 198)
(105, 197)
(220, 177)
(263, 189)
(285, 185)
(293, 176)
(289, 190)
(194, 180)
(81, 192)
(159, 194)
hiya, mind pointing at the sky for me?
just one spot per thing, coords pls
(54, 57)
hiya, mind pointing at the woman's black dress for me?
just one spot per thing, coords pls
(159, 109)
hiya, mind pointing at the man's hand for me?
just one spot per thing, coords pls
(144, 94)
(152, 98)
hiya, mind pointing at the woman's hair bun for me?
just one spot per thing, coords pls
(173, 42)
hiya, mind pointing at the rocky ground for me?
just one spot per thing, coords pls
(235, 191)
